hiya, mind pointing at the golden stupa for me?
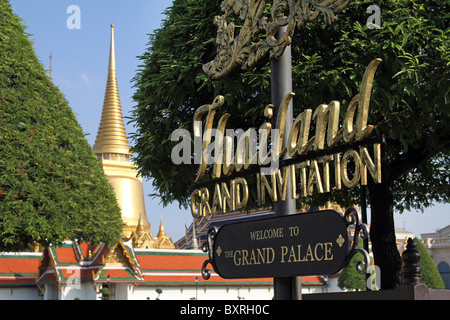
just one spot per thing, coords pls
(113, 153)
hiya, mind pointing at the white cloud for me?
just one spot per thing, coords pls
(86, 79)
(61, 81)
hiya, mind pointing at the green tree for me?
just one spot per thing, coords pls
(171, 85)
(410, 107)
(410, 100)
(349, 278)
(51, 187)
(429, 272)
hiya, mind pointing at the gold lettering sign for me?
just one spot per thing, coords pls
(304, 176)
(253, 256)
(312, 252)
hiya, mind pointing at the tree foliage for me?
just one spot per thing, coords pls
(410, 103)
(429, 272)
(171, 85)
(410, 99)
(51, 186)
(351, 279)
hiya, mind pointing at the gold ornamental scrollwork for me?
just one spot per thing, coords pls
(241, 49)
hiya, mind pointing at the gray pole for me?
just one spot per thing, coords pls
(285, 288)
(364, 220)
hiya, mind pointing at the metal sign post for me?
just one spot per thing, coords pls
(285, 288)
(238, 46)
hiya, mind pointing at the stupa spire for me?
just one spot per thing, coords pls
(111, 135)
(113, 155)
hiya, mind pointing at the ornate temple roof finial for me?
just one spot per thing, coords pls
(161, 232)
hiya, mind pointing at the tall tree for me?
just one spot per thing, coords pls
(429, 272)
(409, 106)
(171, 85)
(51, 186)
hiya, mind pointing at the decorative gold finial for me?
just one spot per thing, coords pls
(161, 228)
(164, 241)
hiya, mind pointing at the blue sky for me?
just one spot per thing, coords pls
(79, 69)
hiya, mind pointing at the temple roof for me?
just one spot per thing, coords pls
(19, 269)
(69, 262)
(86, 262)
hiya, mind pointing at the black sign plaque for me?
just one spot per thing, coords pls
(313, 243)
